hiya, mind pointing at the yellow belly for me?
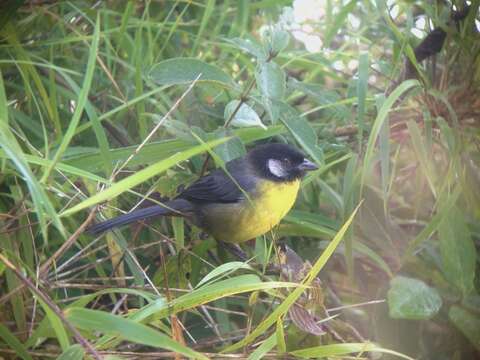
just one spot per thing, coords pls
(240, 222)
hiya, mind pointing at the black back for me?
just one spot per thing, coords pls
(218, 187)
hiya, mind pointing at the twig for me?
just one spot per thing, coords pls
(44, 268)
(67, 244)
(160, 123)
(243, 99)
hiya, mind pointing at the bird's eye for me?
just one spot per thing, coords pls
(287, 161)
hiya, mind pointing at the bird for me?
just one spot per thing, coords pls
(246, 198)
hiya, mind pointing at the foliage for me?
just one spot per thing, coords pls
(107, 106)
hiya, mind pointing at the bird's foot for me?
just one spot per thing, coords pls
(235, 250)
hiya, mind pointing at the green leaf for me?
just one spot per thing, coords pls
(32, 159)
(468, 323)
(179, 130)
(422, 155)
(94, 320)
(80, 103)
(13, 151)
(231, 149)
(380, 119)
(8, 11)
(302, 132)
(275, 39)
(301, 223)
(57, 325)
(384, 152)
(281, 346)
(74, 352)
(412, 299)
(223, 270)
(178, 71)
(244, 117)
(325, 351)
(14, 343)
(272, 107)
(362, 88)
(250, 45)
(207, 293)
(331, 103)
(266, 346)
(377, 259)
(458, 251)
(210, 292)
(90, 159)
(339, 20)
(433, 225)
(209, 8)
(178, 225)
(270, 80)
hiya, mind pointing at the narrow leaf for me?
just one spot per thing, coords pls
(14, 343)
(74, 352)
(266, 346)
(94, 320)
(343, 349)
(82, 100)
(223, 270)
(381, 117)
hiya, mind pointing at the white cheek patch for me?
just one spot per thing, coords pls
(276, 168)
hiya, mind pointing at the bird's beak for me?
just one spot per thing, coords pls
(307, 165)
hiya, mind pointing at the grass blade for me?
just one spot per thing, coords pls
(14, 152)
(14, 343)
(381, 118)
(344, 349)
(94, 320)
(82, 100)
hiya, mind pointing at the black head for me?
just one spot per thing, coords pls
(279, 162)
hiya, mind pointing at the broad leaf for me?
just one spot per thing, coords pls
(271, 80)
(412, 299)
(467, 322)
(458, 251)
(244, 117)
(275, 40)
(250, 45)
(185, 70)
(231, 149)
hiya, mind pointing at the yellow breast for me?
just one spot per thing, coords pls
(248, 219)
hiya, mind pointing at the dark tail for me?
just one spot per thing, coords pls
(171, 208)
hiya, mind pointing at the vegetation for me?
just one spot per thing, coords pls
(110, 105)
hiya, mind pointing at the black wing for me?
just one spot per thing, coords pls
(218, 187)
